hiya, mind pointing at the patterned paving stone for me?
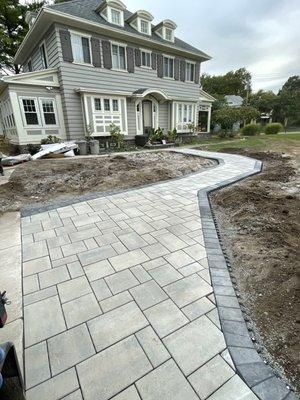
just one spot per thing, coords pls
(81, 310)
(148, 294)
(179, 259)
(113, 326)
(101, 289)
(30, 284)
(98, 270)
(165, 274)
(94, 255)
(165, 318)
(107, 373)
(34, 250)
(73, 288)
(115, 301)
(132, 241)
(191, 269)
(141, 274)
(153, 347)
(74, 396)
(53, 276)
(234, 389)
(75, 269)
(210, 377)
(36, 266)
(128, 394)
(200, 334)
(43, 320)
(36, 365)
(188, 290)
(128, 260)
(121, 281)
(55, 388)
(171, 242)
(166, 382)
(69, 348)
(197, 251)
(40, 295)
(198, 308)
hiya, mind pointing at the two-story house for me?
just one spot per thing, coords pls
(89, 63)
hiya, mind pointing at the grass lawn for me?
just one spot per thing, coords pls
(281, 142)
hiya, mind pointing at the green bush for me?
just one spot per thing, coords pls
(116, 135)
(251, 129)
(272, 129)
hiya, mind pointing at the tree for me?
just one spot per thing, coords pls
(234, 82)
(13, 29)
(287, 109)
(264, 101)
(227, 116)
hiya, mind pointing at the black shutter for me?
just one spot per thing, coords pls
(182, 70)
(137, 54)
(153, 61)
(197, 72)
(66, 47)
(107, 62)
(160, 65)
(96, 52)
(130, 59)
(177, 69)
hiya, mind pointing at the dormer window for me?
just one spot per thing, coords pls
(115, 16)
(141, 21)
(112, 11)
(165, 30)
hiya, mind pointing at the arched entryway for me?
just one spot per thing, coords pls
(146, 115)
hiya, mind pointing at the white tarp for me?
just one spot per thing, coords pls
(8, 161)
(55, 148)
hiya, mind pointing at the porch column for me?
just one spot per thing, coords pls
(208, 119)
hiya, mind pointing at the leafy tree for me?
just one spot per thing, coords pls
(247, 113)
(287, 109)
(264, 101)
(234, 82)
(227, 116)
(13, 29)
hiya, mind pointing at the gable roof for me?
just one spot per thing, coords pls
(86, 9)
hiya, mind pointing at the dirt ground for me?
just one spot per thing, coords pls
(46, 180)
(260, 226)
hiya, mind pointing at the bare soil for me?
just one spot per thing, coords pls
(44, 180)
(260, 226)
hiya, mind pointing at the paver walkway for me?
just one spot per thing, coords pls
(118, 301)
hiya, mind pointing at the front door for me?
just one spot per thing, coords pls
(147, 116)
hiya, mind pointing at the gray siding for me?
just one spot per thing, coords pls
(131, 118)
(53, 51)
(163, 116)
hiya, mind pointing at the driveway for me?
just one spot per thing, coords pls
(118, 300)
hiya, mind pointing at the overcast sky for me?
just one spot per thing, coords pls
(261, 35)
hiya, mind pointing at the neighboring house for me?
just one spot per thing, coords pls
(90, 63)
(234, 101)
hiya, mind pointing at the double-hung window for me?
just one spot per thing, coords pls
(43, 56)
(48, 109)
(168, 67)
(115, 16)
(169, 34)
(145, 26)
(146, 58)
(185, 113)
(118, 57)
(30, 111)
(81, 48)
(190, 72)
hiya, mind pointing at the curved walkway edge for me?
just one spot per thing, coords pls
(128, 295)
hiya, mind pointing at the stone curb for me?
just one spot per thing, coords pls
(252, 369)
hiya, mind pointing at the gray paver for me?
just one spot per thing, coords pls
(197, 251)
(166, 382)
(148, 294)
(81, 310)
(198, 308)
(69, 348)
(210, 377)
(55, 388)
(128, 394)
(132, 241)
(191, 269)
(141, 274)
(30, 284)
(94, 255)
(75, 269)
(101, 289)
(165, 318)
(74, 396)
(98, 270)
(107, 373)
(155, 250)
(34, 250)
(36, 266)
(128, 260)
(36, 364)
(73, 248)
(121, 281)
(188, 290)
(234, 389)
(73, 288)
(153, 347)
(200, 334)
(40, 295)
(114, 325)
(42, 320)
(165, 274)
(115, 301)
(179, 259)
(53, 276)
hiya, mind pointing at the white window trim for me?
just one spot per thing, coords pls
(179, 124)
(78, 33)
(37, 110)
(149, 52)
(111, 50)
(109, 14)
(103, 111)
(43, 43)
(165, 35)
(190, 62)
(140, 26)
(55, 112)
(173, 58)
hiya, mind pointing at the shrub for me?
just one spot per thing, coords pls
(272, 129)
(50, 140)
(251, 129)
(116, 135)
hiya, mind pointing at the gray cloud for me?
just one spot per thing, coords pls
(261, 35)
